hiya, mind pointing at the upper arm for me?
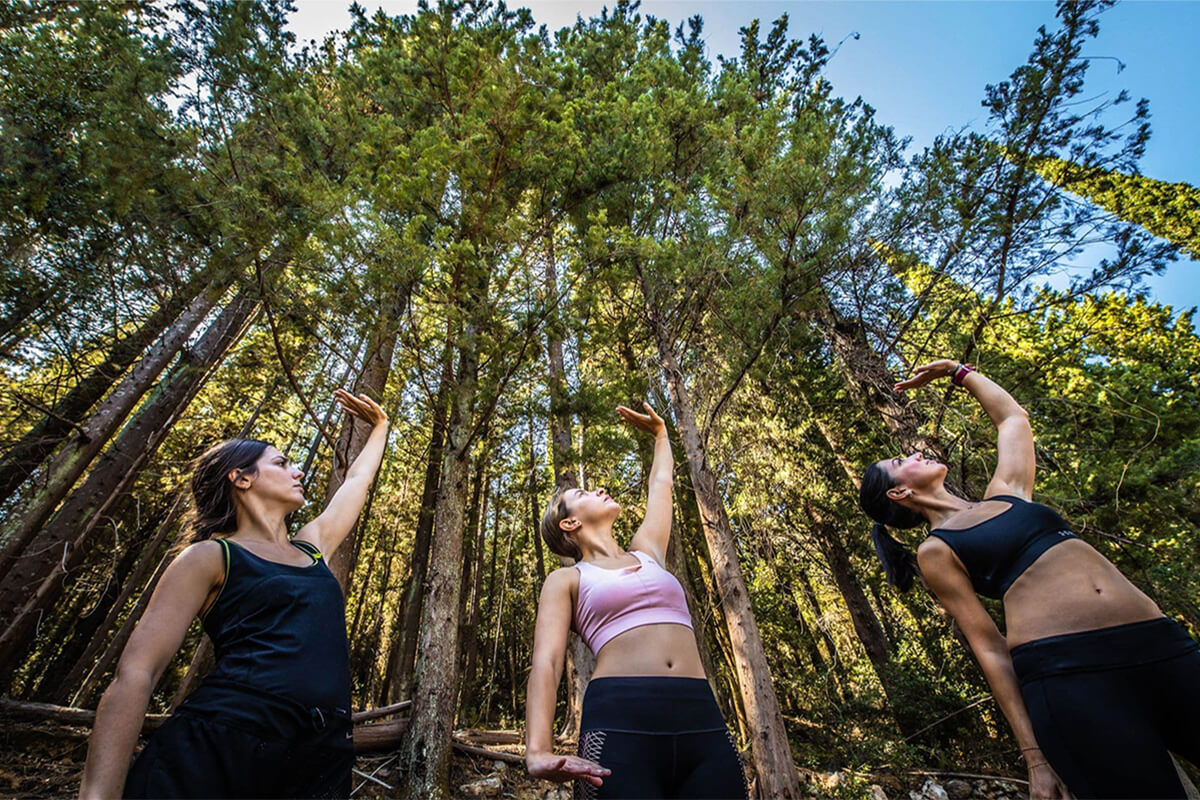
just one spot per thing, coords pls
(329, 528)
(554, 613)
(180, 595)
(654, 534)
(945, 575)
(1015, 463)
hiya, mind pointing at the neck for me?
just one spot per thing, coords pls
(261, 524)
(939, 505)
(599, 544)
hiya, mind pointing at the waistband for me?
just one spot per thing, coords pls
(1130, 645)
(650, 704)
(263, 714)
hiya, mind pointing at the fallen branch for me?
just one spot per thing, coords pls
(65, 714)
(383, 711)
(498, 755)
(939, 774)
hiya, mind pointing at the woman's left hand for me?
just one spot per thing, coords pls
(649, 422)
(927, 372)
(362, 407)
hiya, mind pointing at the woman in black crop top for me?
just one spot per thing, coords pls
(272, 719)
(1095, 682)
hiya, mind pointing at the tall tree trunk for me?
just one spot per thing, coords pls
(471, 631)
(87, 690)
(24, 457)
(774, 769)
(353, 437)
(425, 749)
(80, 449)
(66, 539)
(404, 643)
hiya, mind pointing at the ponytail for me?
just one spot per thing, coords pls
(899, 563)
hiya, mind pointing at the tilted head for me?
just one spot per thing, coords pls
(572, 514)
(237, 472)
(889, 494)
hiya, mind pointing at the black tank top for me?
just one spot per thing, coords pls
(280, 629)
(996, 551)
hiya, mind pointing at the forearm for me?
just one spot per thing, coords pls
(662, 467)
(993, 398)
(367, 463)
(119, 718)
(539, 710)
(998, 669)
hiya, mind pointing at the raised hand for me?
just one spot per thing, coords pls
(565, 768)
(649, 422)
(362, 407)
(925, 373)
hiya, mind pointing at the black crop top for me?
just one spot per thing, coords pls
(996, 551)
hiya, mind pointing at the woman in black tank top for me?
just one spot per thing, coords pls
(272, 719)
(1106, 686)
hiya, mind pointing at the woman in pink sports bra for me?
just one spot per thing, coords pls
(651, 727)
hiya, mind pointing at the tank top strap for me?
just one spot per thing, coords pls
(308, 548)
(224, 579)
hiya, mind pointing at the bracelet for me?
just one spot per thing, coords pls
(960, 374)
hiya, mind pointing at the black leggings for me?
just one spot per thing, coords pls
(1107, 706)
(661, 737)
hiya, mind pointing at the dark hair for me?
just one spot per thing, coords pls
(899, 563)
(554, 536)
(213, 509)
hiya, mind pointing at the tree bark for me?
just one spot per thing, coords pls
(775, 771)
(372, 381)
(404, 642)
(67, 538)
(23, 458)
(425, 752)
(79, 450)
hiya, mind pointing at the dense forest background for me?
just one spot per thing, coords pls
(502, 232)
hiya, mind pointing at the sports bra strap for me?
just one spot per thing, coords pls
(308, 548)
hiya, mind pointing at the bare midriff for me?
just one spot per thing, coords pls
(1069, 589)
(658, 650)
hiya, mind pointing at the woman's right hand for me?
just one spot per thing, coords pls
(649, 422)
(942, 368)
(564, 768)
(1044, 784)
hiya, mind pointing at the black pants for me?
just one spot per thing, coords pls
(228, 743)
(661, 737)
(1107, 706)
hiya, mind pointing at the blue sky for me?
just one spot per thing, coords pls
(923, 65)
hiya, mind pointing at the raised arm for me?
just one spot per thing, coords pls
(549, 652)
(181, 593)
(655, 531)
(337, 519)
(1015, 463)
(950, 583)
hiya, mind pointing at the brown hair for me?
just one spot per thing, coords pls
(213, 509)
(553, 535)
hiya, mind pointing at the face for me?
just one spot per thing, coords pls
(914, 472)
(276, 480)
(591, 507)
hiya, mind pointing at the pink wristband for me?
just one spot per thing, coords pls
(960, 374)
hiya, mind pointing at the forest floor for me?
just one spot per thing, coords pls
(45, 760)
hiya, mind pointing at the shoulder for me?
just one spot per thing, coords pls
(935, 553)
(561, 579)
(206, 555)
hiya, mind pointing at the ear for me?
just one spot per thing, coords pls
(569, 524)
(899, 493)
(240, 478)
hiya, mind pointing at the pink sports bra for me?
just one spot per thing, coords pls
(612, 601)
